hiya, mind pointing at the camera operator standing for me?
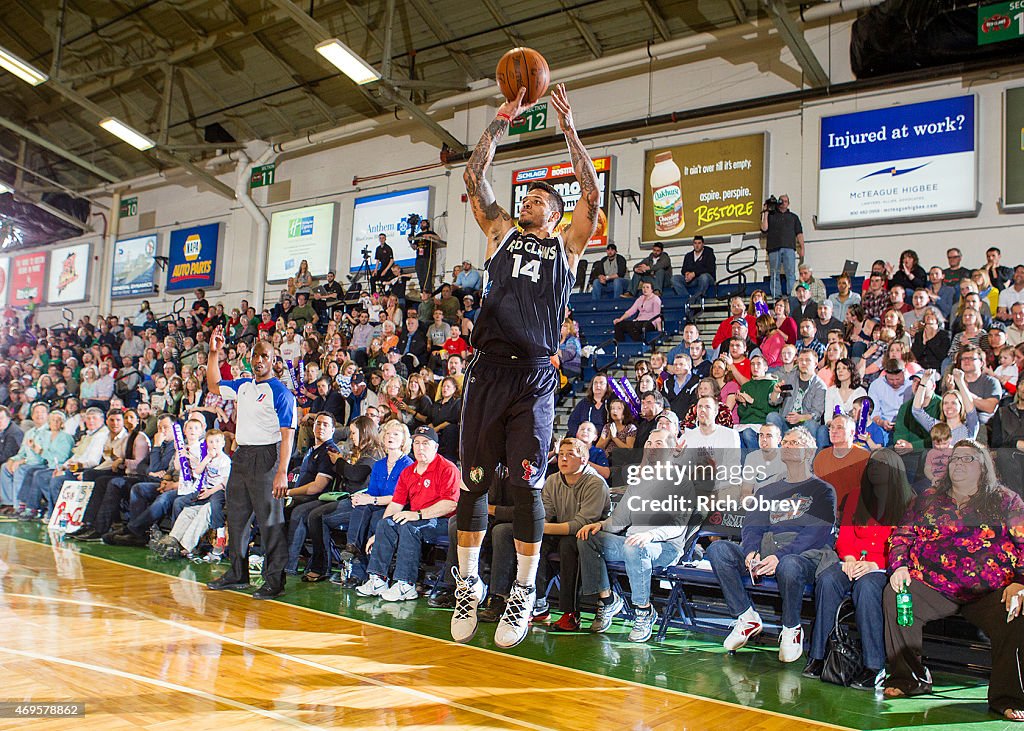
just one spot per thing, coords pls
(424, 242)
(385, 257)
(785, 241)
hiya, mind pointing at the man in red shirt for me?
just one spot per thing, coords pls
(425, 497)
(738, 362)
(737, 308)
(842, 465)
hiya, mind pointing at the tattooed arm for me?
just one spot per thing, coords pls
(494, 220)
(584, 217)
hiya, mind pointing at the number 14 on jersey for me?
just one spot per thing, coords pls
(530, 269)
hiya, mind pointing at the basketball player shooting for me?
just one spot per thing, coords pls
(510, 385)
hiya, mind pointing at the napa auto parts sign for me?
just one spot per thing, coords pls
(193, 257)
(904, 162)
(562, 178)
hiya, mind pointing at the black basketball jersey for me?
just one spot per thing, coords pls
(526, 289)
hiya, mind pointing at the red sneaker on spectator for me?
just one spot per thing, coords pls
(568, 622)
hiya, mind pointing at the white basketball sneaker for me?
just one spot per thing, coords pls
(400, 591)
(791, 644)
(469, 592)
(748, 626)
(373, 586)
(515, 622)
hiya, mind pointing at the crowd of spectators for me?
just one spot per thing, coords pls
(860, 408)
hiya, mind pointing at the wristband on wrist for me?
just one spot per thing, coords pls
(504, 116)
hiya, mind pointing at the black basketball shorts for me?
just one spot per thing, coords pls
(508, 413)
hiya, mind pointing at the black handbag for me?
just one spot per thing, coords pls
(843, 660)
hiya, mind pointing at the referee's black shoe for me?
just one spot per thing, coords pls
(227, 582)
(268, 592)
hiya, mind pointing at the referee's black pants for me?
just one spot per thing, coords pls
(250, 490)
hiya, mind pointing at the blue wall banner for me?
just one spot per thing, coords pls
(897, 163)
(193, 257)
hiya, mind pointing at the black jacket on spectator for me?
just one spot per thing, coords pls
(450, 412)
(1000, 276)
(681, 402)
(932, 353)
(919, 280)
(604, 266)
(332, 403)
(10, 441)
(354, 477)
(418, 346)
(798, 313)
(705, 265)
(643, 430)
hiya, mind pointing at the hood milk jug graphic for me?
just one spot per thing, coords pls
(667, 196)
(68, 273)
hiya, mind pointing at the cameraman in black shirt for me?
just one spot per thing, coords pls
(385, 257)
(785, 241)
(424, 242)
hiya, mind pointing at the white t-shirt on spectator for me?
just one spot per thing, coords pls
(1010, 296)
(721, 438)
(767, 471)
(291, 351)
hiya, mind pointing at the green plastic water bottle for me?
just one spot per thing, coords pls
(905, 607)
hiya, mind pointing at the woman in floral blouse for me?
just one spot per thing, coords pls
(961, 550)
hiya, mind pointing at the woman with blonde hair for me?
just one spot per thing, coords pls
(967, 286)
(88, 388)
(989, 294)
(392, 401)
(957, 410)
(392, 312)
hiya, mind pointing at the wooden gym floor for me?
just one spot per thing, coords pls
(147, 650)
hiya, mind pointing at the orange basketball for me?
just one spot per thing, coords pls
(523, 67)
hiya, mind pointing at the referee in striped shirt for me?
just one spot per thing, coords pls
(259, 467)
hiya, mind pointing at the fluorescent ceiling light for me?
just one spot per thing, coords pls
(5, 188)
(347, 61)
(21, 69)
(119, 129)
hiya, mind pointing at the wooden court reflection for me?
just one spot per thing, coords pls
(145, 650)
